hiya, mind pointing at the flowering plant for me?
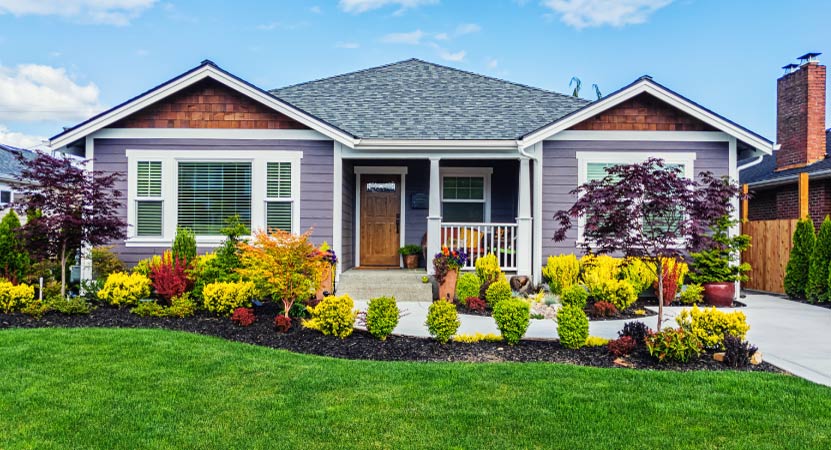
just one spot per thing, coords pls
(447, 260)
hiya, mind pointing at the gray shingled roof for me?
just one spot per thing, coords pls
(765, 171)
(9, 165)
(414, 99)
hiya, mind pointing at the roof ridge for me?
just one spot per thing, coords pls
(332, 77)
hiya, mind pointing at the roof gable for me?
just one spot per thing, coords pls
(643, 112)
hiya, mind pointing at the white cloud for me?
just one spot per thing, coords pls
(441, 36)
(467, 28)
(411, 38)
(349, 45)
(31, 92)
(448, 56)
(361, 6)
(109, 12)
(19, 140)
(492, 63)
(594, 13)
(315, 9)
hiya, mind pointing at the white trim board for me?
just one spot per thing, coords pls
(661, 136)
(206, 133)
(380, 170)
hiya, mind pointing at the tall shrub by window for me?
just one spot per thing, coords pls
(149, 198)
(210, 192)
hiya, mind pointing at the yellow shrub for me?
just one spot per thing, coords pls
(561, 272)
(334, 315)
(596, 270)
(595, 341)
(641, 274)
(125, 289)
(617, 292)
(487, 268)
(710, 326)
(224, 297)
(144, 266)
(14, 298)
(478, 337)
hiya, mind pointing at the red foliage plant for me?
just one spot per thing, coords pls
(672, 272)
(282, 323)
(622, 346)
(604, 309)
(243, 317)
(475, 303)
(170, 278)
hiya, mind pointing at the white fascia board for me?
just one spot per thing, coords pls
(435, 144)
(661, 136)
(207, 133)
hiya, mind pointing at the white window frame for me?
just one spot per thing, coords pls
(133, 180)
(170, 195)
(484, 172)
(627, 157)
(293, 199)
(11, 196)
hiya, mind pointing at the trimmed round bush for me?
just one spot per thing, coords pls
(381, 317)
(617, 292)
(572, 326)
(512, 317)
(14, 298)
(575, 295)
(468, 285)
(224, 297)
(334, 315)
(442, 320)
(497, 292)
(123, 289)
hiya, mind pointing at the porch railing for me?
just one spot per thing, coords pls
(479, 239)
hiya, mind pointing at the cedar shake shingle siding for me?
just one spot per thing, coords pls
(643, 113)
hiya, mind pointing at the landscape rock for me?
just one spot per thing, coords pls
(623, 363)
(756, 359)
(520, 283)
(719, 356)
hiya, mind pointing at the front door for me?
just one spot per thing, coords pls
(380, 220)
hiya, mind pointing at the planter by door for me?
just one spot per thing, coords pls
(447, 289)
(326, 283)
(411, 261)
(719, 294)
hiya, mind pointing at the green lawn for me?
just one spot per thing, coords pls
(109, 388)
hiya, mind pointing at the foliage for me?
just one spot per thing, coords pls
(334, 315)
(36, 309)
(488, 269)
(714, 264)
(622, 346)
(221, 265)
(673, 276)
(243, 317)
(737, 352)
(382, 317)
(442, 320)
(69, 207)
(148, 309)
(468, 285)
(145, 266)
(105, 262)
(596, 341)
(604, 309)
(476, 304)
(14, 259)
(14, 297)
(181, 306)
(497, 292)
(817, 289)
(223, 297)
(575, 295)
(799, 262)
(477, 337)
(617, 292)
(410, 249)
(70, 306)
(123, 289)
(447, 260)
(673, 344)
(282, 323)
(572, 327)
(561, 272)
(512, 317)
(282, 265)
(597, 268)
(170, 278)
(639, 273)
(694, 293)
(184, 245)
(638, 331)
(711, 325)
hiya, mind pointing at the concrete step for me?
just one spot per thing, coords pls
(404, 285)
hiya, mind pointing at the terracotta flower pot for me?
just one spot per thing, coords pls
(447, 289)
(719, 294)
(411, 261)
(326, 282)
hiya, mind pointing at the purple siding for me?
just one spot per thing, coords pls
(347, 256)
(560, 175)
(316, 177)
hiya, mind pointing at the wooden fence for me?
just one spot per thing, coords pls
(770, 248)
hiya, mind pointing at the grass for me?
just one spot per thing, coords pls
(113, 388)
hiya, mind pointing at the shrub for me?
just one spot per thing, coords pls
(243, 317)
(737, 352)
(14, 298)
(604, 309)
(181, 306)
(498, 291)
(596, 341)
(122, 289)
(575, 295)
(170, 277)
(561, 272)
(334, 316)
(622, 346)
(478, 337)
(796, 272)
(282, 323)
(694, 293)
(144, 266)
(70, 306)
(468, 285)
(224, 297)
(410, 249)
(36, 309)
(639, 273)
(817, 289)
(184, 245)
(104, 262)
(596, 269)
(673, 344)
(487, 268)
(149, 309)
(14, 259)
(382, 317)
(674, 272)
(442, 320)
(617, 292)
(711, 325)
(476, 304)
(512, 317)
(572, 327)
(638, 331)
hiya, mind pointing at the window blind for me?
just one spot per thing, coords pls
(149, 179)
(210, 192)
(148, 186)
(149, 218)
(278, 213)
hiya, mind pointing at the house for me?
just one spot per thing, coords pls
(805, 144)
(371, 160)
(9, 170)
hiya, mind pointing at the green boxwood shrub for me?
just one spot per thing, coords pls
(572, 326)
(796, 272)
(576, 295)
(334, 315)
(442, 320)
(467, 286)
(498, 291)
(382, 317)
(817, 290)
(512, 317)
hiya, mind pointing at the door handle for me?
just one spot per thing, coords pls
(398, 223)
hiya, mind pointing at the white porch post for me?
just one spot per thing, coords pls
(86, 257)
(434, 215)
(524, 221)
(337, 207)
(733, 172)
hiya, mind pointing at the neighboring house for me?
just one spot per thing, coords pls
(404, 153)
(804, 148)
(9, 170)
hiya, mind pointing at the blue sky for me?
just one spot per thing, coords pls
(63, 60)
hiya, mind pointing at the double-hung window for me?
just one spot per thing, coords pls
(279, 203)
(211, 192)
(149, 203)
(465, 195)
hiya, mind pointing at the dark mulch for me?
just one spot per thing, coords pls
(628, 313)
(360, 345)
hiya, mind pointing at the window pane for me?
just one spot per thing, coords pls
(279, 180)
(278, 215)
(149, 179)
(381, 187)
(464, 188)
(148, 218)
(210, 192)
(5, 196)
(463, 212)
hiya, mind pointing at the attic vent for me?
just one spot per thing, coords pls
(808, 58)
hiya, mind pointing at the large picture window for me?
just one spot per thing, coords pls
(210, 192)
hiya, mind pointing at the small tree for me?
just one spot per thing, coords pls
(817, 290)
(68, 207)
(184, 246)
(14, 260)
(649, 211)
(799, 263)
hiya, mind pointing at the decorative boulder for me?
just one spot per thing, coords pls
(520, 284)
(756, 359)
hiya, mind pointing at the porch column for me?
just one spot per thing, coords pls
(524, 221)
(434, 215)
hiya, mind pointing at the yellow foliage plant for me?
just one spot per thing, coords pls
(224, 297)
(15, 297)
(711, 325)
(488, 269)
(123, 289)
(561, 272)
(334, 315)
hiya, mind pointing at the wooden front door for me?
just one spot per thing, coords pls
(380, 220)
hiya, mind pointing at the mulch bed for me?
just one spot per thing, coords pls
(360, 345)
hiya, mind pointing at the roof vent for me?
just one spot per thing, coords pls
(790, 68)
(808, 58)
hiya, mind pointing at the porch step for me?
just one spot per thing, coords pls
(404, 285)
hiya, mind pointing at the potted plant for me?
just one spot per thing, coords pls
(714, 267)
(410, 254)
(446, 265)
(327, 279)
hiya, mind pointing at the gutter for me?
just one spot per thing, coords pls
(818, 175)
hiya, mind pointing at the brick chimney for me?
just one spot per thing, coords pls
(800, 114)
